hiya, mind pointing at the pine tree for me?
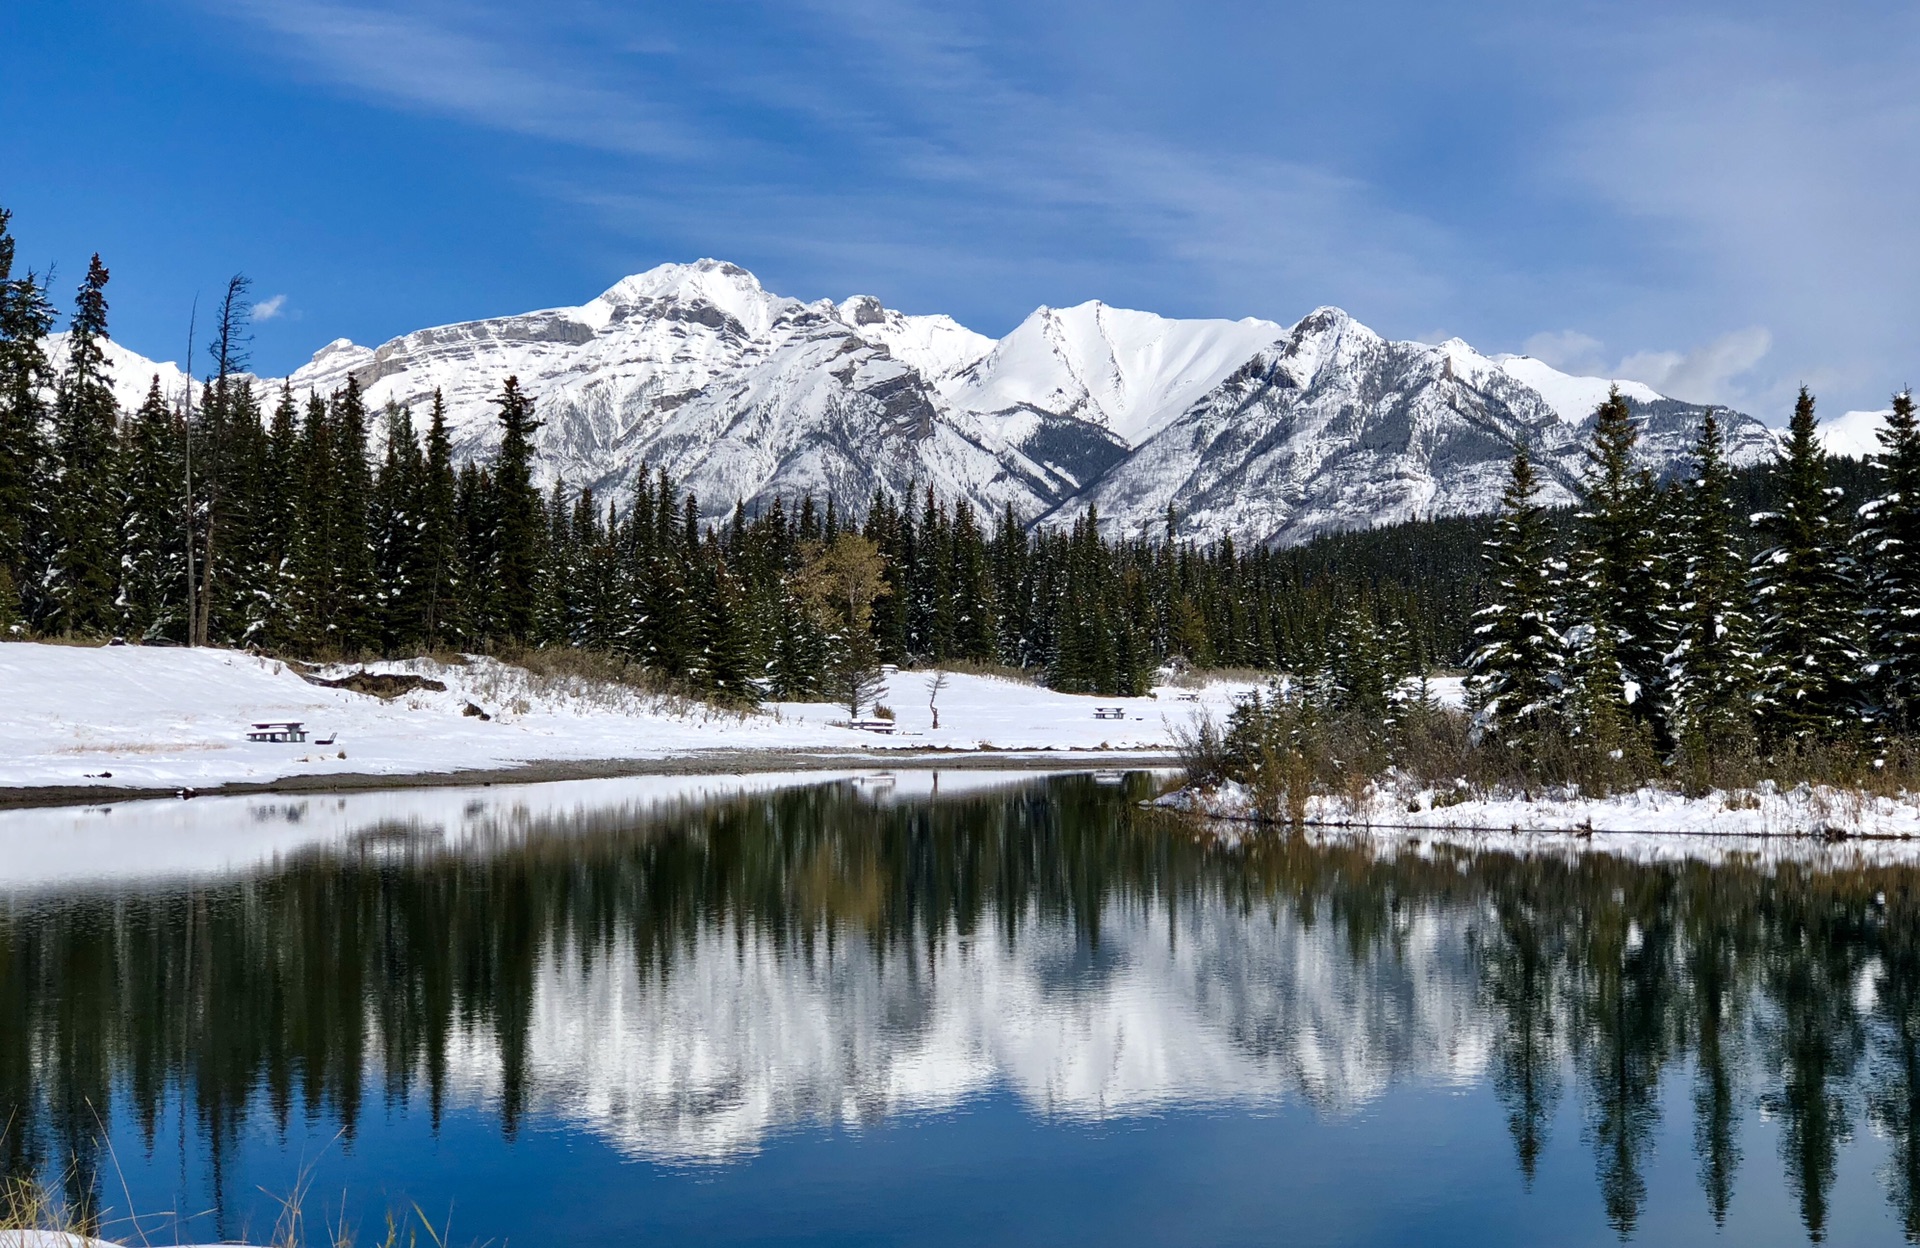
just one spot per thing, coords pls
(519, 520)
(397, 524)
(25, 458)
(441, 570)
(280, 496)
(1889, 545)
(728, 659)
(1805, 596)
(152, 571)
(356, 612)
(226, 472)
(1617, 640)
(1517, 666)
(313, 567)
(82, 574)
(1713, 668)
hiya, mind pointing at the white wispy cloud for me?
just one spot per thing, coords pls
(457, 62)
(1762, 152)
(1718, 371)
(1698, 172)
(269, 308)
(949, 136)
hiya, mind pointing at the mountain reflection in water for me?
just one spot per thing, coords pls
(688, 969)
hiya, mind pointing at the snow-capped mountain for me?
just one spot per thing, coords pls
(1250, 428)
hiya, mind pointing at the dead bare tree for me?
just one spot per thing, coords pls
(936, 683)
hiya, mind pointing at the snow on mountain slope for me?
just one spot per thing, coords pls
(1335, 428)
(1574, 398)
(1853, 435)
(132, 374)
(1128, 372)
(1248, 428)
(937, 346)
(740, 394)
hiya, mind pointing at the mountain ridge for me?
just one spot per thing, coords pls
(1251, 429)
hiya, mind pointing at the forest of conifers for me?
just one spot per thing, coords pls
(309, 525)
(298, 539)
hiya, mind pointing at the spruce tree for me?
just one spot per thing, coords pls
(1617, 641)
(1889, 546)
(151, 601)
(442, 569)
(82, 575)
(519, 520)
(25, 458)
(1805, 596)
(280, 498)
(1713, 669)
(356, 580)
(1516, 667)
(397, 525)
(313, 567)
(728, 659)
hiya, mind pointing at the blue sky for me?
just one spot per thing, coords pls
(1719, 199)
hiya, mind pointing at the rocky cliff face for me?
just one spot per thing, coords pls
(1248, 428)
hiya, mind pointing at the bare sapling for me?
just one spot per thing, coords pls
(936, 683)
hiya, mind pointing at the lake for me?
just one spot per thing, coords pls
(940, 1008)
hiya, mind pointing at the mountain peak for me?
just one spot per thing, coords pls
(717, 283)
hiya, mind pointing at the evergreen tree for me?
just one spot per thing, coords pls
(727, 661)
(1618, 643)
(1516, 670)
(152, 572)
(313, 567)
(356, 612)
(1805, 597)
(519, 520)
(441, 569)
(397, 527)
(280, 496)
(25, 458)
(1713, 668)
(1889, 545)
(82, 576)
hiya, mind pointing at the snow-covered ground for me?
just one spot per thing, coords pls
(1768, 820)
(130, 716)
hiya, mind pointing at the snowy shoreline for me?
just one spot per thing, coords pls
(707, 762)
(83, 725)
(1768, 817)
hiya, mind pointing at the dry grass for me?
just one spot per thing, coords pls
(31, 1206)
(992, 671)
(1285, 753)
(588, 681)
(1201, 677)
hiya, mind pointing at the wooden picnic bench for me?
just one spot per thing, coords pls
(1109, 712)
(282, 730)
(884, 726)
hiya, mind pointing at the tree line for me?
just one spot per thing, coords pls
(1665, 627)
(311, 525)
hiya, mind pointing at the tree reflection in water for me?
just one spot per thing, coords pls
(408, 968)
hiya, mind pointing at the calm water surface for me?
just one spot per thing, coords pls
(947, 1010)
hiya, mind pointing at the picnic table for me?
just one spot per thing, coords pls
(283, 730)
(884, 726)
(1109, 712)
